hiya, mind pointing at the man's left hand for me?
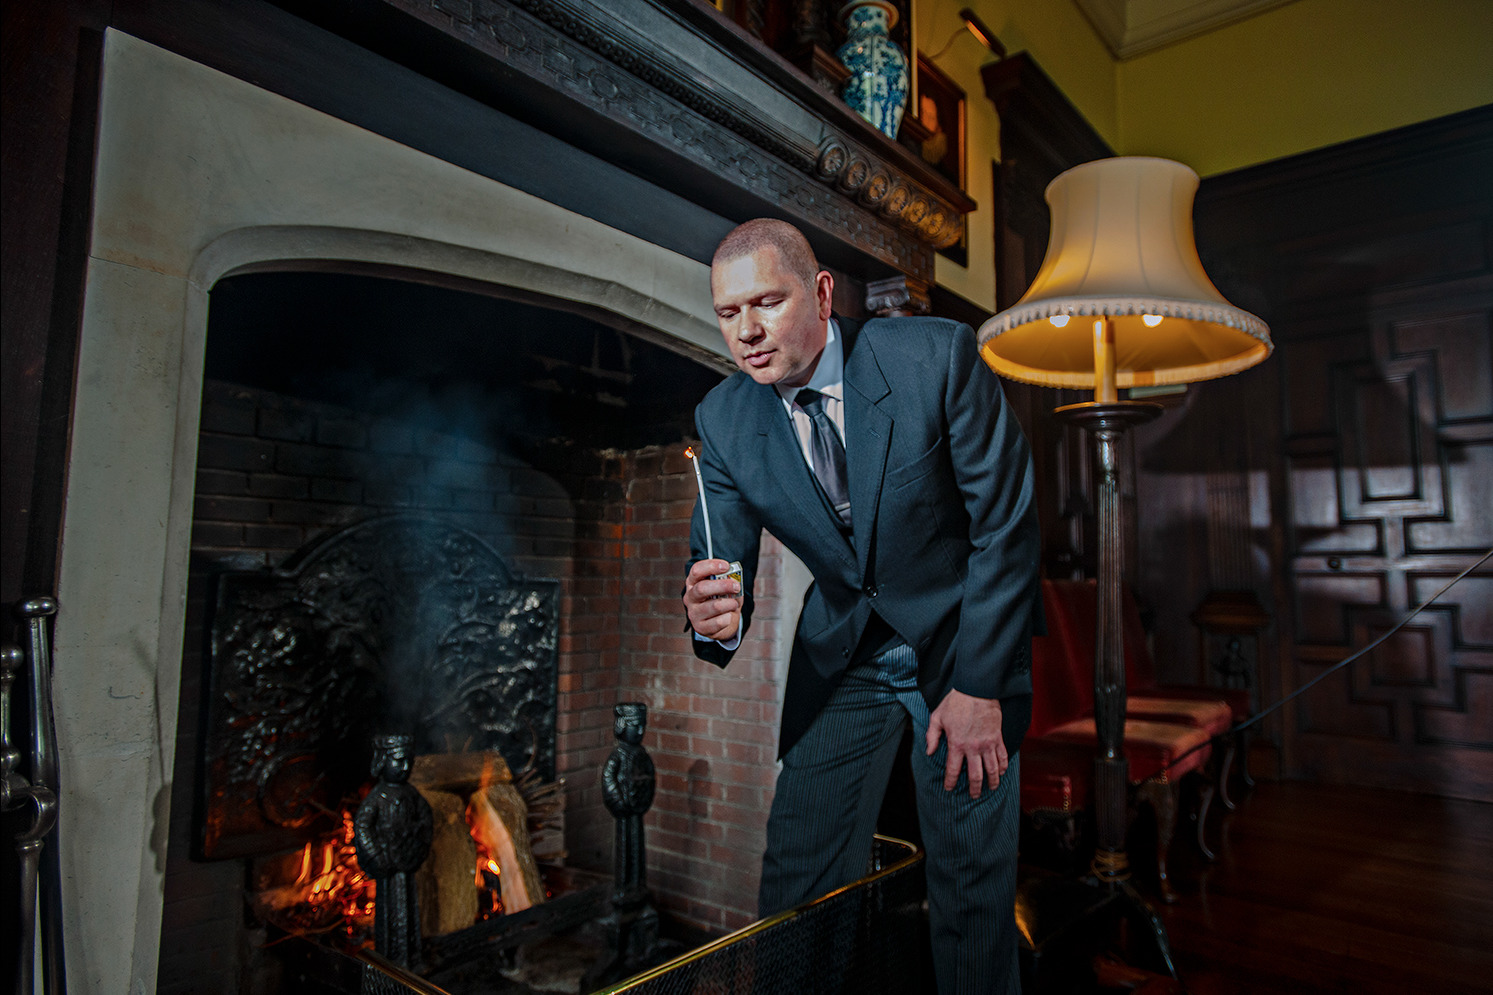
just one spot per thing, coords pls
(973, 728)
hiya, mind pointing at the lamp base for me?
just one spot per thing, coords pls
(1064, 921)
(1110, 866)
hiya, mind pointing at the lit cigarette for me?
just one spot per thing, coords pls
(704, 507)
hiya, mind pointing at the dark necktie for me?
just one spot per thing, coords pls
(827, 453)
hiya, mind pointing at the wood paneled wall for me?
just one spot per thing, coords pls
(1351, 475)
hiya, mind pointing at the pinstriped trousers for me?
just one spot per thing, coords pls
(824, 814)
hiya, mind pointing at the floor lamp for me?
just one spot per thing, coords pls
(1121, 301)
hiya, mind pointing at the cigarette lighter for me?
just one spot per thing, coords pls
(732, 573)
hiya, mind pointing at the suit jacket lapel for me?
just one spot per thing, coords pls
(868, 434)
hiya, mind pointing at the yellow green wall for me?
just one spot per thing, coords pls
(1059, 37)
(1306, 75)
(1295, 78)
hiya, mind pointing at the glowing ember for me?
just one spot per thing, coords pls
(320, 888)
(331, 891)
(489, 881)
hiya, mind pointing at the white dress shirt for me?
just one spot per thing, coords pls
(829, 380)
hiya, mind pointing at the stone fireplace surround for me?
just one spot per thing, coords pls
(200, 175)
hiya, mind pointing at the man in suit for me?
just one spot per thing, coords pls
(884, 456)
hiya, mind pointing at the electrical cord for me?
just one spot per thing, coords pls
(952, 39)
(1253, 719)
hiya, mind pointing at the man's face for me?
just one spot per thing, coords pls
(772, 323)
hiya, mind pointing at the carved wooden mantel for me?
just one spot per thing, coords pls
(670, 89)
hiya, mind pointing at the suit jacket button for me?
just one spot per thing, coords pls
(845, 654)
(869, 590)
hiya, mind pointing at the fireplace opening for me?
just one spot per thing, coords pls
(339, 404)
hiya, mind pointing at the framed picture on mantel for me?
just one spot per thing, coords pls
(941, 112)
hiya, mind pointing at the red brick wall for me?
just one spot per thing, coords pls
(712, 732)
(274, 473)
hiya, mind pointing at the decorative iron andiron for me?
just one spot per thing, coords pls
(627, 784)
(392, 833)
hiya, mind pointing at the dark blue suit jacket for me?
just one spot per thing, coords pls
(946, 543)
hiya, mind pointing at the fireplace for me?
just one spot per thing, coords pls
(386, 473)
(200, 175)
(179, 208)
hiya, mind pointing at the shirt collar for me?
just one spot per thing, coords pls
(829, 372)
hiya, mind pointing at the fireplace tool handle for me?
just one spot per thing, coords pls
(39, 791)
(17, 791)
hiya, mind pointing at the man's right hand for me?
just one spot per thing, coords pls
(713, 606)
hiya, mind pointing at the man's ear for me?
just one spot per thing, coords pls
(824, 293)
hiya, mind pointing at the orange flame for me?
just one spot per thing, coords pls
(335, 886)
(488, 877)
(689, 452)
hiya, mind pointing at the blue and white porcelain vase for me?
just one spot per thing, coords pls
(877, 87)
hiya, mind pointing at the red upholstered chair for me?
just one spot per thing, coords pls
(1056, 778)
(1160, 753)
(1194, 704)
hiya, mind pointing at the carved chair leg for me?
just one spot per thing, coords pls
(1225, 767)
(1243, 737)
(1205, 799)
(1162, 797)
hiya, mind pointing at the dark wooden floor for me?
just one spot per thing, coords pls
(1339, 890)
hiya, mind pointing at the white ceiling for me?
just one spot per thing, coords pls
(1131, 27)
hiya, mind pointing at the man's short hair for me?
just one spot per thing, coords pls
(793, 248)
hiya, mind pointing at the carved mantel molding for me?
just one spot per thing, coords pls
(633, 81)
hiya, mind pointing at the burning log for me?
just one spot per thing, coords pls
(464, 774)
(546, 802)
(510, 823)
(500, 819)
(489, 828)
(459, 773)
(448, 900)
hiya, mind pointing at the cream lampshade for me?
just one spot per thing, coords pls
(1122, 289)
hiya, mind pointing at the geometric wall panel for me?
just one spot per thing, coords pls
(1471, 604)
(1316, 510)
(1468, 526)
(1389, 478)
(1463, 347)
(1468, 724)
(1305, 372)
(1323, 602)
(1327, 710)
(1387, 438)
(1406, 659)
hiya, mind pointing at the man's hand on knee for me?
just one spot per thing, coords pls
(973, 728)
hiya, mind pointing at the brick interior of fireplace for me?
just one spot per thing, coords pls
(330, 399)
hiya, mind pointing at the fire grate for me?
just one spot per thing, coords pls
(865, 938)
(397, 623)
(868, 938)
